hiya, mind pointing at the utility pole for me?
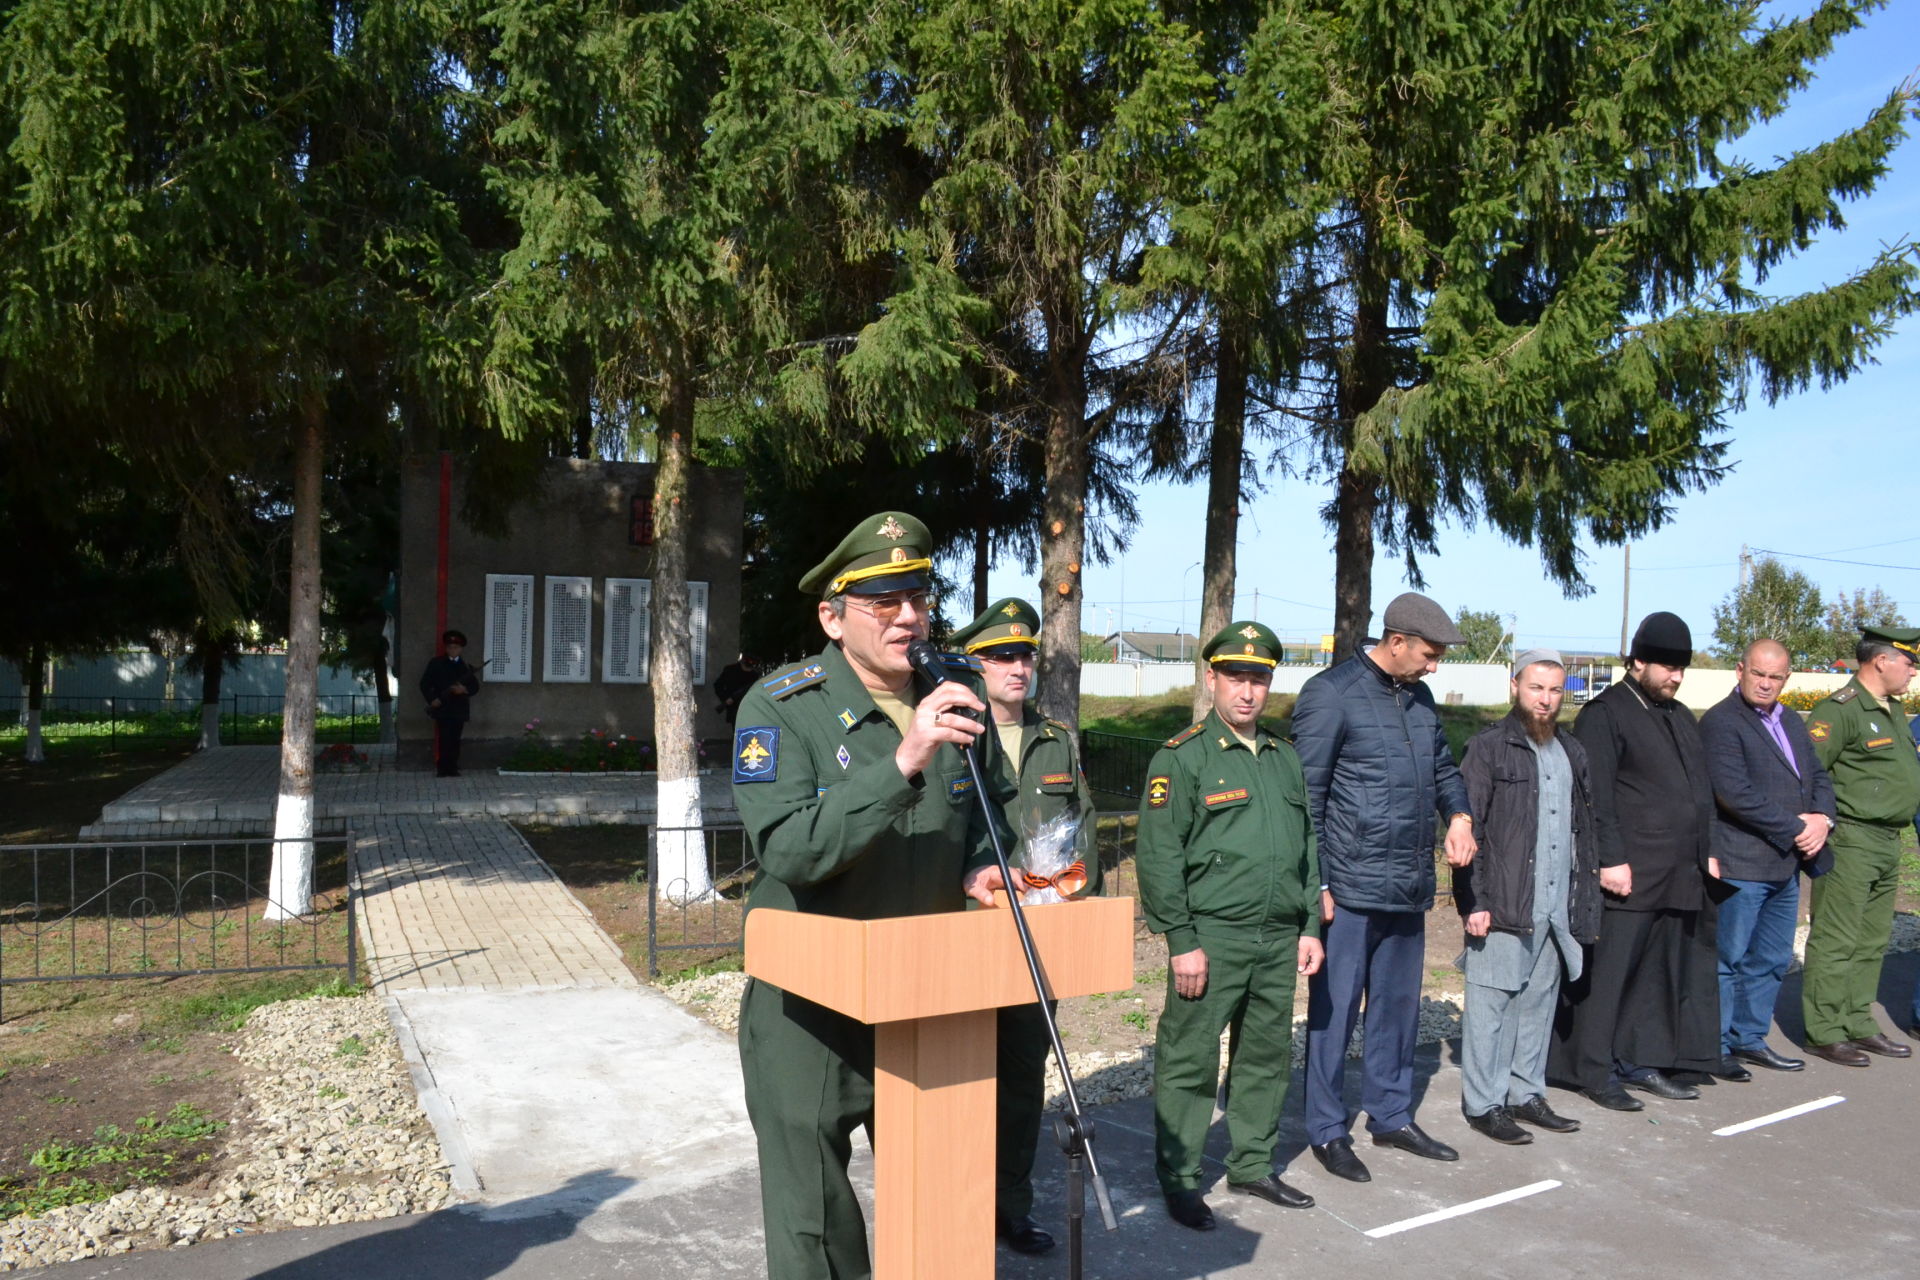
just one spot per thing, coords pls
(1746, 567)
(1626, 598)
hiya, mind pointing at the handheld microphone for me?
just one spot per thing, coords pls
(925, 660)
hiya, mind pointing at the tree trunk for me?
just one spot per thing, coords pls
(679, 843)
(36, 675)
(981, 543)
(1225, 456)
(383, 694)
(1063, 534)
(1356, 501)
(1357, 496)
(213, 670)
(290, 886)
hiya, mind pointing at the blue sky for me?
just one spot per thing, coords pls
(1829, 474)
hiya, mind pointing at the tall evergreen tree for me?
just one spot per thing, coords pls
(219, 207)
(1547, 264)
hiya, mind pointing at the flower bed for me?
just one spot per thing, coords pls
(594, 751)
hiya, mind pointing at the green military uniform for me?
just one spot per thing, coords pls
(837, 830)
(1865, 745)
(1046, 775)
(1228, 863)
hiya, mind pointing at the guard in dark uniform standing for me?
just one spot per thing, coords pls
(449, 684)
(1041, 762)
(1860, 734)
(858, 802)
(1230, 873)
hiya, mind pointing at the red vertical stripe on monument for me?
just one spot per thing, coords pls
(440, 575)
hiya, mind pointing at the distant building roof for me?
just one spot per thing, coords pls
(1156, 646)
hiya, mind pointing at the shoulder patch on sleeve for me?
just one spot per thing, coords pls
(1185, 734)
(792, 680)
(1159, 791)
(1819, 730)
(1845, 695)
(756, 753)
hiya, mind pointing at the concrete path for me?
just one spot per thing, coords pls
(231, 791)
(538, 1056)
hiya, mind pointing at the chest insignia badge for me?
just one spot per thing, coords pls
(844, 756)
(848, 719)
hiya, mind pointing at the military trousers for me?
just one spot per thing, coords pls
(1023, 1048)
(809, 1079)
(1250, 979)
(1852, 920)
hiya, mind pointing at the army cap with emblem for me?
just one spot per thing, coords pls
(1905, 639)
(1243, 647)
(1007, 629)
(891, 551)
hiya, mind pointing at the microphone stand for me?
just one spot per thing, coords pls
(1073, 1130)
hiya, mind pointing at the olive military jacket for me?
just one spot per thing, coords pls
(1225, 837)
(836, 829)
(1868, 751)
(1050, 782)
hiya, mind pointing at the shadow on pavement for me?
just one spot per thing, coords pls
(465, 1242)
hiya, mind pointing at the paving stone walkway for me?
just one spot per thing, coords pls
(461, 902)
(230, 792)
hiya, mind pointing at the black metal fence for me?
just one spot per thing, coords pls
(1115, 763)
(697, 892)
(175, 908)
(686, 912)
(244, 718)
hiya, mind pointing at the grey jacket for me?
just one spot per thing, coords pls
(1378, 772)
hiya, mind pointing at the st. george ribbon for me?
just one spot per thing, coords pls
(1073, 1131)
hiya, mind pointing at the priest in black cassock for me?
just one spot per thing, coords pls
(1647, 1009)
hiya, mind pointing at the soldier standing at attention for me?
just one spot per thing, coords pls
(1040, 761)
(1860, 734)
(1230, 874)
(858, 802)
(449, 684)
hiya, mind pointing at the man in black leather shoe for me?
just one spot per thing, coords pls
(1228, 872)
(1649, 1001)
(1529, 900)
(1379, 771)
(1774, 812)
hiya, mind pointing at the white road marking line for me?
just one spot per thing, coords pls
(1788, 1114)
(1472, 1206)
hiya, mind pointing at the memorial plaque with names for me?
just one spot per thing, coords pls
(627, 647)
(569, 648)
(509, 628)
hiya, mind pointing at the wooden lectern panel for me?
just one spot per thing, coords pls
(934, 1099)
(954, 962)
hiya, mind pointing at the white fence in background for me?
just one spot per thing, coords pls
(1472, 684)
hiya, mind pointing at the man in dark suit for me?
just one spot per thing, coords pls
(449, 684)
(1775, 810)
(1647, 1009)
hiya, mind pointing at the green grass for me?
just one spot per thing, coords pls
(227, 1009)
(117, 1158)
(85, 735)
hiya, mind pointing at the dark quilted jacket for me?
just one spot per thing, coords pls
(1378, 773)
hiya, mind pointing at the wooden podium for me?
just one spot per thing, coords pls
(930, 985)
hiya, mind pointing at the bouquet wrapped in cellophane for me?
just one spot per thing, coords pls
(1050, 864)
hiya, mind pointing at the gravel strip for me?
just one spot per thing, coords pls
(333, 1133)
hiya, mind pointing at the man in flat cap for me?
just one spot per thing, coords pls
(858, 802)
(1860, 734)
(1529, 899)
(1378, 770)
(1648, 1006)
(1229, 874)
(1040, 761)
(449, 683)
(1775, 813)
